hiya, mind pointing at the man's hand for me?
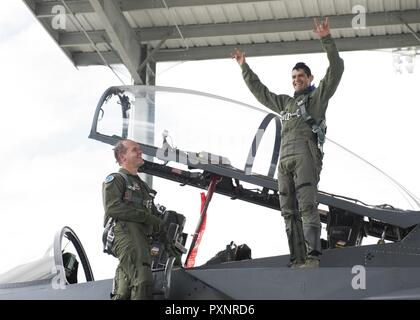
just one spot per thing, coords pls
(239, 56)
(155, 222)
(162, 235)
(322, 29)
(174, 252)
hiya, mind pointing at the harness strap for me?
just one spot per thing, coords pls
(108, 236)
(129, 196)
(320, 128)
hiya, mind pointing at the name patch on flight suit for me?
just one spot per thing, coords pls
(134, 187)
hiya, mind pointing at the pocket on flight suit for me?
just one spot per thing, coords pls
(119, 241)
(316, 156)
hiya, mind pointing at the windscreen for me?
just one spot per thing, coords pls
(202, 123)
(42, 268)
(60, 263)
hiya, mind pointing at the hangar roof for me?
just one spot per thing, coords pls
(115, 31)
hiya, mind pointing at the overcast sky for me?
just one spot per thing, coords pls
(51, 173)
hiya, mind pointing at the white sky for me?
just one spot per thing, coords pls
(51, 173)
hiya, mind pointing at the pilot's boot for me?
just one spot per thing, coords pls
(296, 241)
(120, 290)
(313, 244)
(310, 263)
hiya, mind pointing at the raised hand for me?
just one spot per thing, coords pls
(239, 56)
(322, 29)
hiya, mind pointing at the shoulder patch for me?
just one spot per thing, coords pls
(109, 178)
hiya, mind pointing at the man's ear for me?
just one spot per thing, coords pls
(311, 78)
(122, 158)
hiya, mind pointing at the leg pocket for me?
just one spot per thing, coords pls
(120, 290)
(316, 154)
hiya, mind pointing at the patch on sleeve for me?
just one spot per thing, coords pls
(109, 178)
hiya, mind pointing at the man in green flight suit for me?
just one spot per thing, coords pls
(302, 136)
(129, 202)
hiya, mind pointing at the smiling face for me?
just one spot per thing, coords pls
(301, 80)
(133, 155)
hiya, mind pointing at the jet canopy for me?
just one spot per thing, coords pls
(58, 266)
(200, 130)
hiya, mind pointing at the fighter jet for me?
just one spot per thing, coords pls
(233, 151)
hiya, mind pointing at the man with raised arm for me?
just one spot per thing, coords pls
(302, 136)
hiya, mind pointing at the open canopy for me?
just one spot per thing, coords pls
(194, 130)
(58, 266)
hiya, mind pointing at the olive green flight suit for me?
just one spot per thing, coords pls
(300, 158)
(134, 223)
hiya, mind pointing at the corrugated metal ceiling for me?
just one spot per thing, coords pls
(211, 28)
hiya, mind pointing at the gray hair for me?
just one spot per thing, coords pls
(119, 150)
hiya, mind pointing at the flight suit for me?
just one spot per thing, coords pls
(300, 158)
(132, 209)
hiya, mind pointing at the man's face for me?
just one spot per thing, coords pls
(301, 80)
(133, 155)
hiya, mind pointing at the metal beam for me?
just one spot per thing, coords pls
(263, 49)
(150, 55)
(153, 4)
(123, 38)
(44, 9)
(412, 31)
(254, 27)
(282, 25)
(289, 47)
(70, 39)
(92, 58)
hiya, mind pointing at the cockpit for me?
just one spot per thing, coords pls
(197, 139)
(223, 131)
(189, 136)
(59, 266)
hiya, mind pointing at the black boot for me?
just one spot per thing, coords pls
(296, 240)
(313, 246)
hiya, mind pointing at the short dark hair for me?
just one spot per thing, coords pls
(119, 149)
(304, 67)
